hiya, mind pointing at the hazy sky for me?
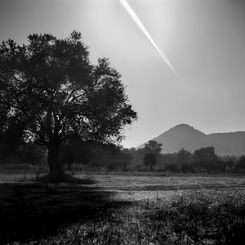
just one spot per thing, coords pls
(203, 39)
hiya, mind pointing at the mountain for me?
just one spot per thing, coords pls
(189, 138)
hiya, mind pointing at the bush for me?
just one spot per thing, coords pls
(241, 163)
(187, 168)
(172, 167)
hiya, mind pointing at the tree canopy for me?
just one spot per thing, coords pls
(150, 160)
(152, 150)
(152, 147)
(50, 87)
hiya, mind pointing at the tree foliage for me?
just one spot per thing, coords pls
(151, 152)
(152, 147)
(241, 163)
(150, 160)
(51, 87)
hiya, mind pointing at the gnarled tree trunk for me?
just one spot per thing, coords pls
(56, 172)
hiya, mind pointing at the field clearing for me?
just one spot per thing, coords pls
(139, 187)
(136, 188)
(124, 209)
(129, 182)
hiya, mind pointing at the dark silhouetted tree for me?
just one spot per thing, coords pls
(152, 147)
(172, 167)
(184, 160)
(152, 151)
(150, 160)
(126, 159)
(206, 158)
(51, 84)
(183, 156)
(241, 163)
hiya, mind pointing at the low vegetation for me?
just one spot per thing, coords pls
(124, 209)
(78, 155)
(192, 218)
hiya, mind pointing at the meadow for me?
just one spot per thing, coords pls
(132, 208)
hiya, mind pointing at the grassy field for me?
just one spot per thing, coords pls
(124, 209)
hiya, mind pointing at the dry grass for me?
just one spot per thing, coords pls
(194, 218)
(123, 209)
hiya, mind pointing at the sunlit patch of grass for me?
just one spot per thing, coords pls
(202, 217)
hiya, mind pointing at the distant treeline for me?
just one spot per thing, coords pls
(202, 160)
(74, 152)
(109, 157)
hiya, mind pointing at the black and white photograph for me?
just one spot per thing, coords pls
(122, 122)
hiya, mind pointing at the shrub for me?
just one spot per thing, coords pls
(241, 163)
(172, 167)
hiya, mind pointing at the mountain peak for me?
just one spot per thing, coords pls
(183, 127)
(189, 138)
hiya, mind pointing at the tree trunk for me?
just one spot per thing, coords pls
(56, 172)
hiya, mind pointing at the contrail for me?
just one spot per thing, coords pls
(136, 19)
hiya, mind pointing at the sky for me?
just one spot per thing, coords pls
(204, 40)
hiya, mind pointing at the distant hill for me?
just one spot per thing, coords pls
(189, 138)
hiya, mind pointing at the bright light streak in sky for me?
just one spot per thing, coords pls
(139, 23)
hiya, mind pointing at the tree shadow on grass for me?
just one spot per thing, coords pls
(33, 210)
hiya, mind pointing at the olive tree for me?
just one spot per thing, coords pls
(52, 86)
